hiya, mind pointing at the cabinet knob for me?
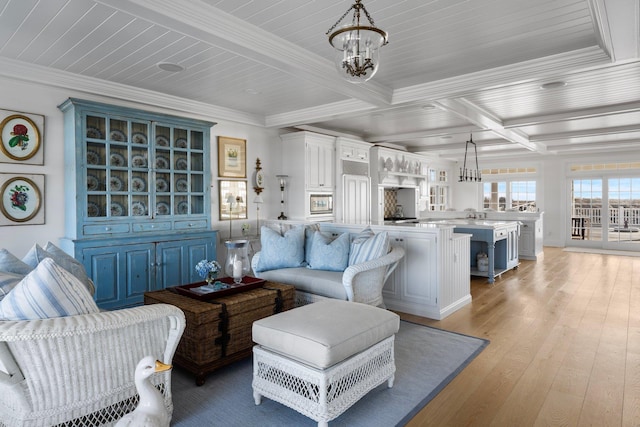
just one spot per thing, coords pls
(107, 229)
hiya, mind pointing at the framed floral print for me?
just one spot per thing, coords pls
(21, 137)
(232, 157)
(21, 199)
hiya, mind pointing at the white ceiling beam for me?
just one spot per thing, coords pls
(586, 133)
(617, 27)
(485, 120)
(522, 72)
(318, 114)
(198, 19)
(608, 110)
(429, 133)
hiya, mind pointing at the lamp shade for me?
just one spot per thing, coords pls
(258, 200)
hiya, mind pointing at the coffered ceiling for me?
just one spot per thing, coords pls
(451, 68)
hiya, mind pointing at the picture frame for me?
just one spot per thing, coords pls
(232, 197)
(232, 157)
(21, 137)
(21, 199)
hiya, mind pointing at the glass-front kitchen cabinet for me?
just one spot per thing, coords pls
(136, 183)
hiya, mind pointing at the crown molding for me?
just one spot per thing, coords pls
(61, 79)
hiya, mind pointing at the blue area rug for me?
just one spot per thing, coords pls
(427, 359)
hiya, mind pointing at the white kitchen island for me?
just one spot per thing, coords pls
(433, 279)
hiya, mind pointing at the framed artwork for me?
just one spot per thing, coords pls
(232, 157)
(233, 200)
(21, 138)
(22, 199)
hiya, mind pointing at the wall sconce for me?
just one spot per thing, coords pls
(282, 180)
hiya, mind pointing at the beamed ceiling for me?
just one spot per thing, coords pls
(451, 68)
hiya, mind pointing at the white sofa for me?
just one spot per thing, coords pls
(79, 370)
(361, 282)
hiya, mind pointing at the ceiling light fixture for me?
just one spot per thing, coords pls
(553, 85)
(470, 175)
(170, 67)
(357, 45)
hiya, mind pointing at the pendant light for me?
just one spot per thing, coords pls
(468, 174)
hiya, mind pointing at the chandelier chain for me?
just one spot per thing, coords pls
(357, 6)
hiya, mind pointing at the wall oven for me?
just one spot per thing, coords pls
(321, 204)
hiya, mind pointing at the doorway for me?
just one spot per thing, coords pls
(605, 213)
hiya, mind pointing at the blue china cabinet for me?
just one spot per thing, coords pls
(137, 199)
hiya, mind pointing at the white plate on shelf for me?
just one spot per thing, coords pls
(94, 133)
(138, 209)
(183, 208)
(163, 208)
(93, 158)
(115, 184)
(117, 135)
(162, 141)
(181, 163)
(117, 160)
(388, 164)
(139, 138)
(162, 186)
(181, 143)
(116, 209)
(138, 161)
(93, 209)
(138, 184)
(92, 183)
(182, 186)
(162, 162)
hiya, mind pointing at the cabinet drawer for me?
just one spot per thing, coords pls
(155, 226)
(500, 234)
(347, 152)
(191, 225)
(362, 154)
(106, 229)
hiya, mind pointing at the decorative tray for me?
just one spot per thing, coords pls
(228, 288)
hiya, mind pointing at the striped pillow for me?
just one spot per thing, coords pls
(48, 291)
(372, 248)
(36, 254)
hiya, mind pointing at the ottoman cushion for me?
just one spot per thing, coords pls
(326, 332)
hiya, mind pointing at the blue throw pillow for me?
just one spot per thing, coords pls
(280, 251)
(12, 264)
(48, 291)
(329, 254)
(372, 248)
(309, 231)
(37, 254)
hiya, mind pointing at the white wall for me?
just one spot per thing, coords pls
(41, 99)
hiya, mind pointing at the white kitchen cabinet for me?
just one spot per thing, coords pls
(319, 160)
(314, 175)
(355, 199)
(530, 246)
(410, 280)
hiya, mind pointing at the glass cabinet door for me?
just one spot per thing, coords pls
(117, 153)
(179, 171)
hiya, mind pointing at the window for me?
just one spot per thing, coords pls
(509, 195)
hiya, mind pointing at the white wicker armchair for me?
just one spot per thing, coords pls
(79, 370)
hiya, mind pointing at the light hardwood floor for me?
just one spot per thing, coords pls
(565, 346)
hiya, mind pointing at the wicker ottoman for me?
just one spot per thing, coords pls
(321, 358)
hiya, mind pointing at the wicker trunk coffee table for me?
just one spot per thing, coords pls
(218, 331)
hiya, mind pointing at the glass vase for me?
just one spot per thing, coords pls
(237, 263)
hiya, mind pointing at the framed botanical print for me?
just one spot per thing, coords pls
(21, 138)
(21, 199)
(232, 157)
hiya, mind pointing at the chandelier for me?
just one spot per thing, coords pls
(470, 175)
(357, 45)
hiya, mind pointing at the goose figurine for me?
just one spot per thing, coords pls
(151, 411)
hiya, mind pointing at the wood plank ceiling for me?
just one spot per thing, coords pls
(452, 67)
